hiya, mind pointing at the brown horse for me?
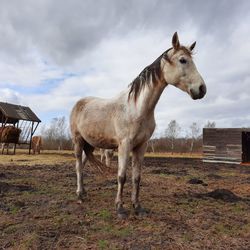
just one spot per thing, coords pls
(36, 143)
(127, 121)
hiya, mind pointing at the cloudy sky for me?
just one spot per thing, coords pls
(52, 53)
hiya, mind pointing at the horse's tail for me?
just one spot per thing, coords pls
(93, 160)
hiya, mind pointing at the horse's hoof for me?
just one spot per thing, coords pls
(140, 211)
(81, 196)
(122, 213)
(79, 201)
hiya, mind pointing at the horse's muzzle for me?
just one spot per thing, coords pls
(199, 94)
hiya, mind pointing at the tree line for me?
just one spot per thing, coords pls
(56, 136)
(174, 141)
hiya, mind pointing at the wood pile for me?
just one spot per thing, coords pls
(222, 145)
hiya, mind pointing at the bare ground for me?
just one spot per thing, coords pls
(192, 205)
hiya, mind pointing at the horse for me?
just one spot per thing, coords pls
(8, 135)
(3, 146)
(126, 121)
(108, 154)
(36, 143)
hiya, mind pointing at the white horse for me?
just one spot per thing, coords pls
(127, 121)
(108, 154)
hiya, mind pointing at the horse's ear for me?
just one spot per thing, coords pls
(175, 41)
(192, 46)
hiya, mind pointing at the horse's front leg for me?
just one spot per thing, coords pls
(137, 160)
(123, 159)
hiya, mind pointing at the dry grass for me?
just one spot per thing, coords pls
(175, 155)
(38, 208)
(67, 156)
(46, 157)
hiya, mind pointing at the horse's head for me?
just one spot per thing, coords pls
(179, 69)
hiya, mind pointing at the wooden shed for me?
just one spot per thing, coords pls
(226, 145)
(20, 117)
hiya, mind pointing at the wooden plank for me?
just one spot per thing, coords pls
(218, 161)
(223, 144)
(224, 158)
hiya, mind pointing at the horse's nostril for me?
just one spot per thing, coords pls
(202, 89)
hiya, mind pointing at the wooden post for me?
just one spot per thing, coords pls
(17, 126)
(31, 134)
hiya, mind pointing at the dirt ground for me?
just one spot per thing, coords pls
(193, 205)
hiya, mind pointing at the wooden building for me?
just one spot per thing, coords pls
(20, 117)
(226, 145)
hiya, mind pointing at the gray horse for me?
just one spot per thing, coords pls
(126, 122)
(108, 155)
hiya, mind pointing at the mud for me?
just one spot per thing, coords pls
(224, 194)
(196, 181)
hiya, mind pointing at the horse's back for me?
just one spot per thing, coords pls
(92, 119)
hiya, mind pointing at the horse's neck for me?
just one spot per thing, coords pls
(147, 99)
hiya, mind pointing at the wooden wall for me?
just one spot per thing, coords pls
(223, 144)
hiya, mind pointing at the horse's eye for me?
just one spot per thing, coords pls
(183, 60)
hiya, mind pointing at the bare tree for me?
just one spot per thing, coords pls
(151, 145)
(172, 133)
(151, 142)
(195, 132)
(60, 129)
(210, 125)
(56, 135)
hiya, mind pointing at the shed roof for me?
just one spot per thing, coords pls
(16, 112)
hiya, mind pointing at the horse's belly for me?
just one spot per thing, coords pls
(98, 130)
(100, 140)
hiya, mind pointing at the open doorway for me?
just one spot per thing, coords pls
(245, 146)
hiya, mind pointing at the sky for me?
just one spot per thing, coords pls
(53, 53)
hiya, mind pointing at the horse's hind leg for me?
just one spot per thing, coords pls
(81, 160)
(107, 158)
(102, 154)
(137, 159)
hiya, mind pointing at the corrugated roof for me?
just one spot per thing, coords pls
(16, 112)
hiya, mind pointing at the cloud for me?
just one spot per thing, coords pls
(9, 95)
(65, 31)
(53, 53)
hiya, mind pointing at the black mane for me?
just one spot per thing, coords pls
(141, 80)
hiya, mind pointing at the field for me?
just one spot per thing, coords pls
(193, 205)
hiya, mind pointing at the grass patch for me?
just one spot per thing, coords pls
(123, 232)
(14, 209)
(29, 241)
(105, 214)
(245, 229)
(10, 229)
(103, 244)
(227, 229)
(187, 237)
(237, 208)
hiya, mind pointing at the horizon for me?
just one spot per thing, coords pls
(57, 57)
